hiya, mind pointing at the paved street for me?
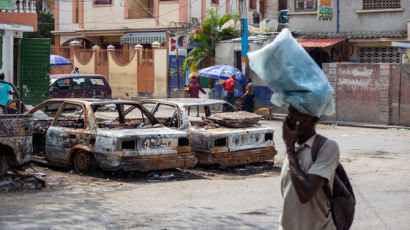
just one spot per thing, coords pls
(377, 160)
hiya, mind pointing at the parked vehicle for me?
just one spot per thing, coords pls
(111, 134)
(15, 134)
(215, 143)
(79, 86)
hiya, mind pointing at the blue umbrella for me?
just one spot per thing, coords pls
(56, 60)
(223, 72)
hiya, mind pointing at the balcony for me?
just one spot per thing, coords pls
(26, 6)
(22, 13)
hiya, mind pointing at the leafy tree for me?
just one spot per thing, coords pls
(208, 35)
(45, 23)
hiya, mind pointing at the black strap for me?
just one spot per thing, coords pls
(317, 145)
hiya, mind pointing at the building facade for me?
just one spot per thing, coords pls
(16, 17)
(358, 30)
(104, 22)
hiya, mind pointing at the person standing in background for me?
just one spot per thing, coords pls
(5, 91)
(229, 86)
(249, 96)
(193, 91)
(75, 71)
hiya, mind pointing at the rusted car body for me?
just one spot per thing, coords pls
(113, 134)
(213, 143)
(15, 134)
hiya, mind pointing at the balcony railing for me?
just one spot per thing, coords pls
(23, 6)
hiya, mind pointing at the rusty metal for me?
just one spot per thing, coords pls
(226, 159)
(218, 144)
(15, 135)
(239, 119)
(137, 145)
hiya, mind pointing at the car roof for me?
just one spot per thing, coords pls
(59, 76)
(188, 101)
(92, 101)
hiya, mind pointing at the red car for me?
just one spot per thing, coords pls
(79, 86)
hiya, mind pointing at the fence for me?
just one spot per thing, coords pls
(370, 92)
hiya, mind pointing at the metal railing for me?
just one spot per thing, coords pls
(23, 6)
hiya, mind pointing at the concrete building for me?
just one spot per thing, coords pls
(16, 17)
(359, 30)
(104, 22)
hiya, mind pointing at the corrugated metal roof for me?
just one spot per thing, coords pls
(319, 42)
(143, 37)
(356, 35)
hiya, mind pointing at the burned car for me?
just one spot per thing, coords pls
(111, 134)
(212, 141)
(15, 132)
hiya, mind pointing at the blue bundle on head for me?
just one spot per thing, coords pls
(293, 76)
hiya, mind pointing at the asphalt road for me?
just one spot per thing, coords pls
(377, 160)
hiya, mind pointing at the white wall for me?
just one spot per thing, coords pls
(8, 57)
(66, 16)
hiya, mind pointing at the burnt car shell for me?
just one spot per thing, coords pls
(219, 145)
(114, 144)
(16, 128)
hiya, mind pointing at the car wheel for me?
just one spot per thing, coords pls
(83, 161)
(3, 166)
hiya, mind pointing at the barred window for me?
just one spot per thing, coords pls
(378, 55)
(305, 5)
(380, 4)
(102, 2)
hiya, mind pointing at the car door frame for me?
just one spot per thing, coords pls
(61, 140)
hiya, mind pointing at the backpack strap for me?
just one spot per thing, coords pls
(317, 145)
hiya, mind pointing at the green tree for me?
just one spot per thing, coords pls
(208, 35)
(45, 23)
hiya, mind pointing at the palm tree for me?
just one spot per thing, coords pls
(208, 35)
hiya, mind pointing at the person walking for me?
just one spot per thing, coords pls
(194, 88)
(229, 86)
(75, 71)
(193, 91)
(305, 203)
(249, 96)
(5, 91)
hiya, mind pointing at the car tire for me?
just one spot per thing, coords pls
(83, 162)
(3, 166)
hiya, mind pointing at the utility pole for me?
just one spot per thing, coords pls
(244, 36)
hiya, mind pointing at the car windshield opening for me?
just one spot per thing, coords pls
(120, 116)
(197, 113)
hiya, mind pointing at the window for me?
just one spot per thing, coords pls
(102, 2)
(167, 115)
(378, 55)
(380, 4)
(62, 84)
(215, 2)
(48, 110)
(79, 83)
(71, 116)
(252, 4)
(96, 83)
(305, 5)
(140, 9)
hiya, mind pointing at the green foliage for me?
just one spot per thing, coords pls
(210, 33)
(45, 23)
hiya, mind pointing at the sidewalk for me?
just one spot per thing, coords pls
(277, 116)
